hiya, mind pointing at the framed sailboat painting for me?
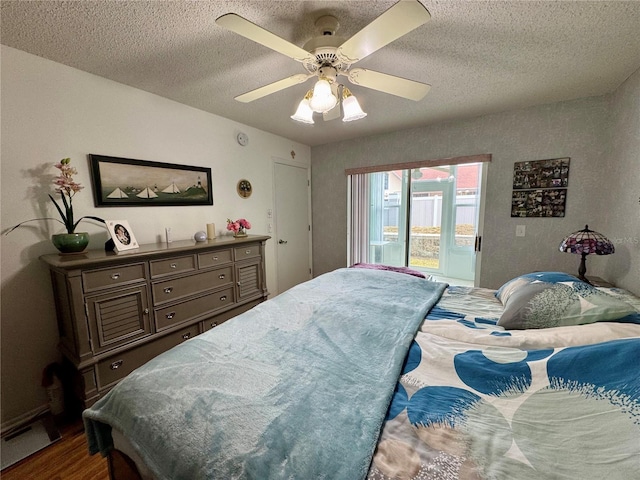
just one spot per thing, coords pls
(128, 182)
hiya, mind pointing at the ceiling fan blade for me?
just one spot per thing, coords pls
(273, 88)
(388, 83)
(247, 29)
(400, 19)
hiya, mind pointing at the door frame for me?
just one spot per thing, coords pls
(481, 211)
(273, 221)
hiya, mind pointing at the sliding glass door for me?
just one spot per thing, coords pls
(425, 218)
(430, 224)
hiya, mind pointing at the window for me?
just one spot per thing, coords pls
(424, 217)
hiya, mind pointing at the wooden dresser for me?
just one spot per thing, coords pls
(116, 311)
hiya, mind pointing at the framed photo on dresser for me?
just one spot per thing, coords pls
(122, 235)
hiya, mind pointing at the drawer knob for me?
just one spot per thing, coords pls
(168, 289)
(173, 265)
(146, 311)
(116, 365)
(215, 258)
(221, 276)
(214, 324)
(170, 315)
(186, 336)
(115, 276)
(223, 298)
(247, 252)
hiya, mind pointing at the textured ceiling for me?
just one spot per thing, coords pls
(478, 56)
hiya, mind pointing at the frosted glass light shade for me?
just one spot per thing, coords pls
(304, 113)
(323, 98)
(352, 110)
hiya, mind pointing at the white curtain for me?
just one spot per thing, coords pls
(358, 227)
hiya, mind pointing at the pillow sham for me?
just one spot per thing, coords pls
(555, 299)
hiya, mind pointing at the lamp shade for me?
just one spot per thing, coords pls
(352, 110)
(586, 242)
(323, 98)
(304, 113)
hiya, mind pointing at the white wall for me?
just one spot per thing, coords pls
(50, 111)
(601, 180)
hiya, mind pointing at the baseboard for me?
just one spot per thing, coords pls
(27, 417)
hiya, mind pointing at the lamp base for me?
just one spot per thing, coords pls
(584, 279)
(582, 269)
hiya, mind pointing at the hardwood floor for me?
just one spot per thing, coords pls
(66, 459)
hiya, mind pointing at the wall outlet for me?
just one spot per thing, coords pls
(520, 230)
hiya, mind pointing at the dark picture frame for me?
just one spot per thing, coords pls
(540, 188)
(119, 182)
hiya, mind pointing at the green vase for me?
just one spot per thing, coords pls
(70, 242)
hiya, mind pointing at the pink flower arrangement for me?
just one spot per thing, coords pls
(239, 226)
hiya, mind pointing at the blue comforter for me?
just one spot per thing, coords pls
(298, 387)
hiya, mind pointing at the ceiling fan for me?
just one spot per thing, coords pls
(328, 57)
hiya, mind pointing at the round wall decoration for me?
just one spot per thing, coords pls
(244, 188)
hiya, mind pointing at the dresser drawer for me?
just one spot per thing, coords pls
(247, 251)
(196, 307)
(116, 367)
(93, 280)
(177, 288)
(223, 317)
(213, 259)
(169, 266)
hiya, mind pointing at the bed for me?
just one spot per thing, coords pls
(374, 374)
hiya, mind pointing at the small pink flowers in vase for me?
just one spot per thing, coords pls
(238, 227)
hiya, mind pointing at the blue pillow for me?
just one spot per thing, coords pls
(555, 299)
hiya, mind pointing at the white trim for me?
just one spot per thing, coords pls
(23, 419)
(483, 200)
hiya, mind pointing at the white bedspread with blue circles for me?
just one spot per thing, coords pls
(477, 402)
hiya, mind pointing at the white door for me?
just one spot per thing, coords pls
(292, 232)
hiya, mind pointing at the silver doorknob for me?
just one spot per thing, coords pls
(282, 241)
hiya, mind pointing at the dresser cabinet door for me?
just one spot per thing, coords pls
(248, 280)
(118, 317)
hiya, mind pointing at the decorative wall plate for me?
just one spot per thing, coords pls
(244, 188)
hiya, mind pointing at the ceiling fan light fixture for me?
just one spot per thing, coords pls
(323, 98)
(351, 107)
(304, 114)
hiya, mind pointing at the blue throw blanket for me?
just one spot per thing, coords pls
(297, 387)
